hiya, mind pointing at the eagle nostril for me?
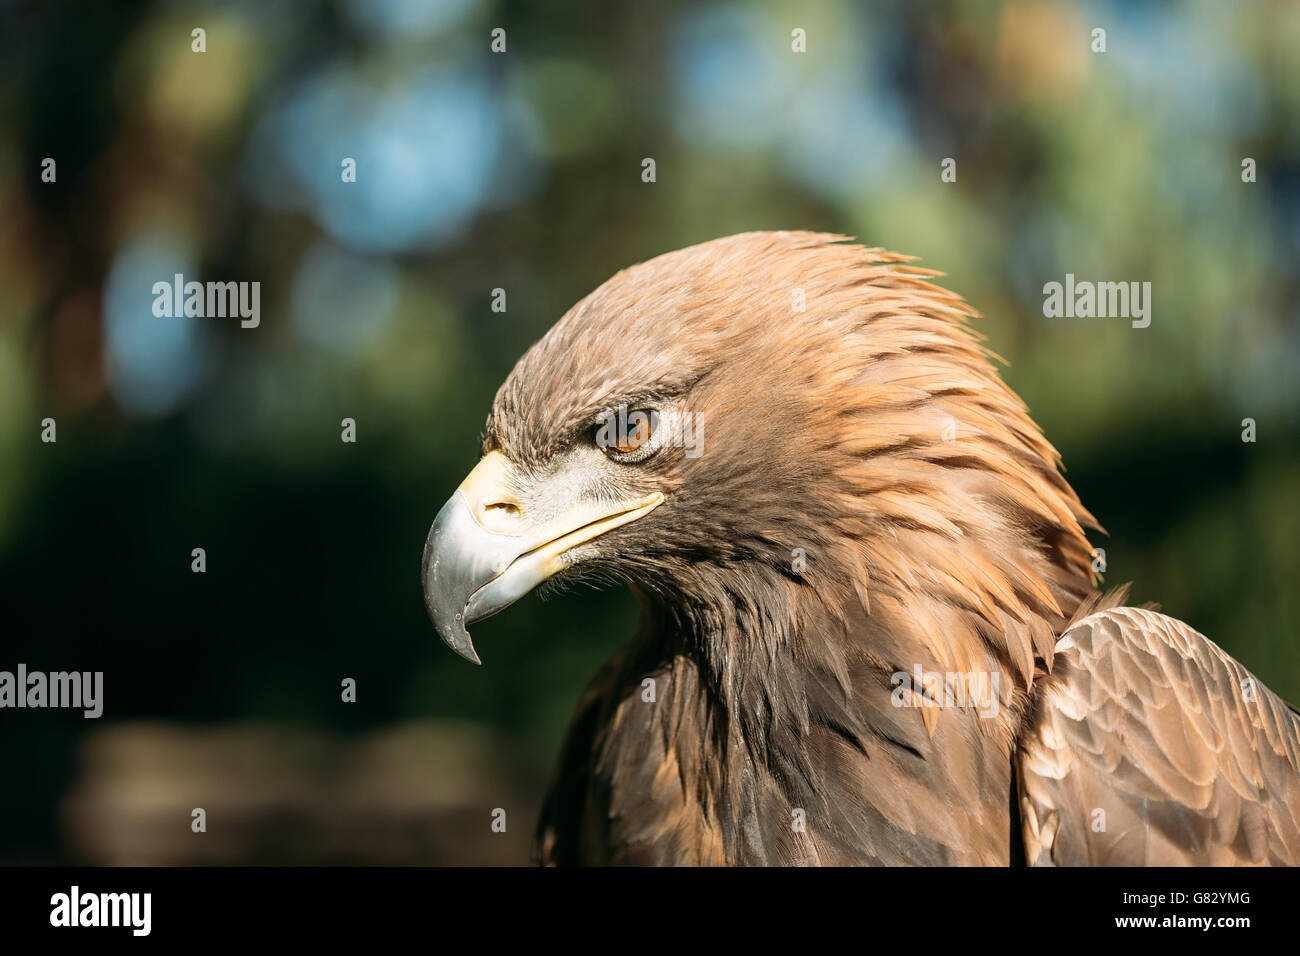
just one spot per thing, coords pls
(501, 516)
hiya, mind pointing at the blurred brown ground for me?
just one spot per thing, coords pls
(409, 794)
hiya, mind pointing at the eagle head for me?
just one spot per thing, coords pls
(762, 428)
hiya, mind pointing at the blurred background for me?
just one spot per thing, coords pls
(522, 171)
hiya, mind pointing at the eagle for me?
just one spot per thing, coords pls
(870, 628)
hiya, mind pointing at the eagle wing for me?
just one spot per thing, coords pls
(1148, 745)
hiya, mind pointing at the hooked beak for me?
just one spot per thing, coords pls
(485, 550)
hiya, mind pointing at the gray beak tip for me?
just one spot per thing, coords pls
(454, 635)
(462, 645)
(449, 577)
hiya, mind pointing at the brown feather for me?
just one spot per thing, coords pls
(1145, 749)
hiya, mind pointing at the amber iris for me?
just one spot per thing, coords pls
(634, 438)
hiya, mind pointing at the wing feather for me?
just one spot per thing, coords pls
(1148, 745)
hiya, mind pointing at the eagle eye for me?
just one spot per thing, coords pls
(627, 436)
(634, 439)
